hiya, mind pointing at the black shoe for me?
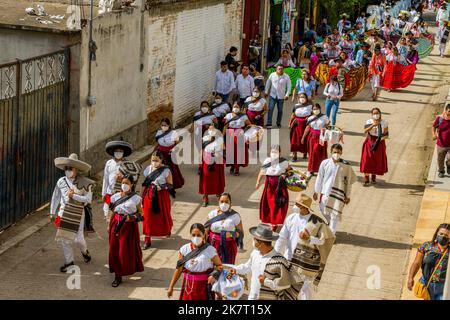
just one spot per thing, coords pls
(116, 282)
(199, 170)
(279, 126)
(441, 174)
(268, 126)
(448, 169)
(86, 256)
(63, 269)
(147, 246)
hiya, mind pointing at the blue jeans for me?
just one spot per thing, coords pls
(279, 103)
(329, 104)
(435, 289)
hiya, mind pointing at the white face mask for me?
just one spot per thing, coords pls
(224, 207)
(295, 209)
(197, 241)
(274, 155)
(125, 187)
(155, 164)
(69, 174)
(302, 100)
(218, 101)
(164, 128)
(118, 155)
(336, 156)
(256, 94)
(376, 116)
(204, 109)
(236, 110)
(316, 112)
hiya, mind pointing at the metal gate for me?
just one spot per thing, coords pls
(34, 121)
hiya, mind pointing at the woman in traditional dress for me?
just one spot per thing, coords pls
(402, 47)
(167, 138)
(373, 155)
(256, 107)
(196, 260)
(413, 55)
(125, 254)
(235, 123)
(212, 173)
(274, 203)
(297, 124)
(224, 230)
(306, 85)
(316, 151)
(158, 186)
(347, 45)
(220, 110)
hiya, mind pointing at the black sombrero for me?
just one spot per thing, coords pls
(113, 145)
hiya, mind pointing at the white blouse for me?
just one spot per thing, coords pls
(319, 123)
(216, 146)
(236, 124)
(229, 224)
(205, 120)
(129, 206)
(202, 262)
(256, 106)
(162, 179)
(276, 169)
(374, 131)
(221, 110)
(303, 111)
(169, 139)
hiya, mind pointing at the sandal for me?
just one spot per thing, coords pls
(86, 256)
(63, 269)
(116, 282)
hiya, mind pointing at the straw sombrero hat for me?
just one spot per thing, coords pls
(264, 232)
(72, 162)
(113, 145)
(304, 201)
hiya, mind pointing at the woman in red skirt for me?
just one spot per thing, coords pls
(316, 151)
(235, 123)
(167, 139)
(275, 197)
(196, 260)
(224, 230)
(256, 108)
(297, 124)
(156, 199)
(212, 173)
(373, 155)
(125, 254)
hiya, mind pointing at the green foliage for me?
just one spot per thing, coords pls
(334, 8)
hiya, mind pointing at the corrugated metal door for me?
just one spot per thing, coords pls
(34, 102)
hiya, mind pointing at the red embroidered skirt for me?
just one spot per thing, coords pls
(269, 212)
(296, 135)
(316, 152)
(157, 224)
(398, 75)
(252, 117)
(240, 148)
(178, 180)
(230, 247)
(373, 162)
(125, 254)
(195, 285)
(211, 182)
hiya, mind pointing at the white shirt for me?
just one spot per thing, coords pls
(221, 110)
(162, 179)
(200, 263)
(129, 206)
(442, 17)
(290, 234)
(276, 168)
(216, 146)
(169, 139)
(256, 106)
(224, 82)
(110, 176)
(229, 224)
(325, 178)
(333, 90)
(279, 87)
(236, 124)
(198, 124)
(374, 131)
(303, 111)
(256, 265)
(61, 195)
(245, 85)
(318, 124)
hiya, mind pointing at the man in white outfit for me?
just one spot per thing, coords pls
(71, 194)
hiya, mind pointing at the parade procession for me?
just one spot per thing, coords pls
(211, 195)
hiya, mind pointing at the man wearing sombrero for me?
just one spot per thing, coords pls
(307, 240)
(271, 272)
(72, 193)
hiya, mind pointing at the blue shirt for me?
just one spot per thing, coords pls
(359, 56)
(305, 87)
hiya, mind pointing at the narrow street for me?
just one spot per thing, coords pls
(376, 231)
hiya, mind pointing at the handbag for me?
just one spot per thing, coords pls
(420, 290)
(88, 219)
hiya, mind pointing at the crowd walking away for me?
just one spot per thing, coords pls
(300, 209)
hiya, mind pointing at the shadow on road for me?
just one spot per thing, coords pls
(368, 242)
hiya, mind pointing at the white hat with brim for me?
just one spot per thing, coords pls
(113, 145)
(72, 162)
(264, 232)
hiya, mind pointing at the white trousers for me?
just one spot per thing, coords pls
(79, 241)
(375, 81)
(442, 47)
(333, 218)
(307, 291)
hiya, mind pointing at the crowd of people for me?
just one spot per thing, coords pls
(290, 251)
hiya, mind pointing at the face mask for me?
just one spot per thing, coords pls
(164, 128)
(376, 116)
(316, 112)
(236, 110)
(224, 207)
(336, 156)
(118, 155)
(218, 101)
(69, 173)
(295, 209)
(274, 155)
(197, 241)
(204, 109)
(212, 132)
(442, 240)
(302, 100)
(256, 94)
(155, 164)
(125, 187)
